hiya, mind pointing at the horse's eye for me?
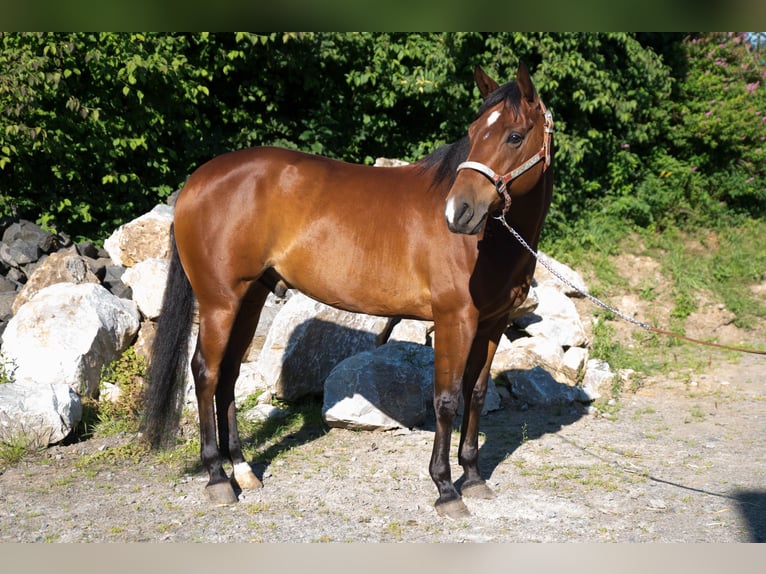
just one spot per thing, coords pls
(515, 138)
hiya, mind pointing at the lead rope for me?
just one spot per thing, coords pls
(600, 303)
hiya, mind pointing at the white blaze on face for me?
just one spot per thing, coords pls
(493, 118)
(449, 212)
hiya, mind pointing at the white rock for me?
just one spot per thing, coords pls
(555, 318)
(385, 389)
(527, 353)
(37, 414)
(264, 412)
(147, 279)
(544, 278)
(143, 238)
(67, 333)
(598, 378)
(411, 330)
(573, 364)
(249, 382)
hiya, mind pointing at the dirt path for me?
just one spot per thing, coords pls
(679, 462)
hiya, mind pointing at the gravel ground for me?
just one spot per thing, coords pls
(678, 462)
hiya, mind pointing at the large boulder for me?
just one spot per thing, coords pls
(537, 387)
(143, 238)
(64, 266)
(387, 388)
(67, 333)
(307, 340)
(37, 415)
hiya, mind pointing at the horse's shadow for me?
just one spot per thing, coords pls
(504, 431)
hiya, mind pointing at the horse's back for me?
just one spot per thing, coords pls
(354, 236)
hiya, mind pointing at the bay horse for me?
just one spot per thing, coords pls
(418, 241)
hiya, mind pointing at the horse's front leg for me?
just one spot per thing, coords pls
(452, 341)
(474, 394)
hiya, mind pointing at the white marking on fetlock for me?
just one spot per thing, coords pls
(245, 476)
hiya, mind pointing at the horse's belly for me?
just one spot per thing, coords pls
(361, 293)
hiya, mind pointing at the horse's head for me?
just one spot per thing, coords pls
(509, 150)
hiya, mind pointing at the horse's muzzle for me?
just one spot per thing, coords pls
(463, 218)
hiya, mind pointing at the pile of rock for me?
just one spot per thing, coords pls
(73, 309)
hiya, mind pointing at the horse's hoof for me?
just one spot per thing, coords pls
(478, 490)
(453, 509)
(221, 493)
(245, 477)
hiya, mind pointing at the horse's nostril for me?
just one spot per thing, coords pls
(464, 214)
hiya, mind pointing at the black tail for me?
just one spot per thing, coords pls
(163, 393)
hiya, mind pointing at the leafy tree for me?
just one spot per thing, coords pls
(97, 128)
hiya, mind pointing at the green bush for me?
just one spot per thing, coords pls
(97, 128)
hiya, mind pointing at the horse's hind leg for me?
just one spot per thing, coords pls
(215, 366)
(241, 336)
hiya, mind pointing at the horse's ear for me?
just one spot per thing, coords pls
(486, 84)
(524, 82)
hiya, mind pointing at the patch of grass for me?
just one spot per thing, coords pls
(131, 452)
(14, 448)
(127, 374)
(696, 413)
(712, 264)
(723, 262)
(109, 416)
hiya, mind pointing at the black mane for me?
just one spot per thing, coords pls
(445, 159)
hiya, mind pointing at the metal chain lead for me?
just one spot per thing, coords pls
(567, 282)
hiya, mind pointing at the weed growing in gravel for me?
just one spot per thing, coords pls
(130, 452)
(14, 448)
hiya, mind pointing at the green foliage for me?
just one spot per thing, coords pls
(651, 130)
(707, 164)
(127, 373)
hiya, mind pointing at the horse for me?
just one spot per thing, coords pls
(419, 241)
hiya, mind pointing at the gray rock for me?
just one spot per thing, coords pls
(19, 252)
(28, 232)
(112, 280)
(307, 340)
(6, 305)
(37, 415)
(382, 389)
(537, 387)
